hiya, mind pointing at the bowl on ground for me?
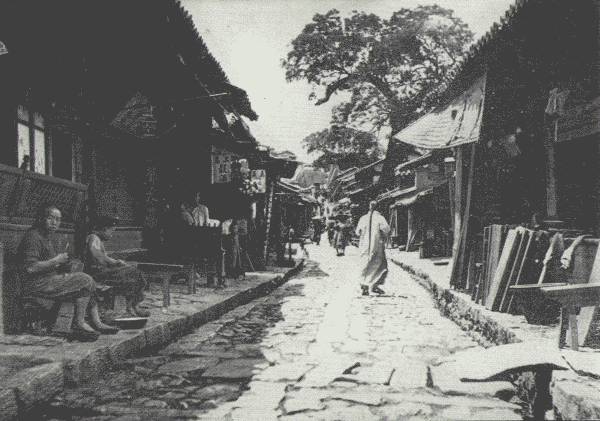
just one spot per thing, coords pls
(130, 323)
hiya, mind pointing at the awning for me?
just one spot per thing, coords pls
(413, 198)
(395, 193)
(360, 190)
(412, 163)
(454, 124)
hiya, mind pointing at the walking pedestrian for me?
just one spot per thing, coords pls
(331, 232)
(318, 230)
(373, 231)
(342, 236)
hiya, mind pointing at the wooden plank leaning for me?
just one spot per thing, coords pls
(503, 270)
(517, 266)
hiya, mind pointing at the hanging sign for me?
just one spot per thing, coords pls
(259, 178)
(221, 161)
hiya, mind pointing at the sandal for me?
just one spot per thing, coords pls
(107, 330)
(378, 290)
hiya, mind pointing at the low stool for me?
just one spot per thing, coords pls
(39, 315)
(113, 300)
(36, 314)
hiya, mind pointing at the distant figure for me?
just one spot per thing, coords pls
(232, 247)
(331, 233)
(342, 236)
(304, 255)
(318, 231)
(186, 214)
(200, 212)
(26, 163)
(373, 231)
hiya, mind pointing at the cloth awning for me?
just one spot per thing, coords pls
(456, 123)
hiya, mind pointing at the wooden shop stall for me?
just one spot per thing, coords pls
(527, 186)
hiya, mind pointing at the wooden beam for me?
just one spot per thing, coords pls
(551, 189)
(458, 180)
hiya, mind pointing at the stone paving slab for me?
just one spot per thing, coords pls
(74, 363)
(574, 396)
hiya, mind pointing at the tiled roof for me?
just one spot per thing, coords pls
(205, 66)
(456, 123)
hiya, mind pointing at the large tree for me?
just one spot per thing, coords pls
(344, 146)
(393, 69)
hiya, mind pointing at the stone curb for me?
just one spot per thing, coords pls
(572, 397)
(484, 329)
(40, 383)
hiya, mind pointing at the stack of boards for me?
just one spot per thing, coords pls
(509, 256)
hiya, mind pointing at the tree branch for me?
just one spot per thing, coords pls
(338, 84)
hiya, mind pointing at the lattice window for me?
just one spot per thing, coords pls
(32, 141)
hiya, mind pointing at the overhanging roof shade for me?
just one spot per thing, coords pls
(397, 192)
(416, 196)
(413, 162)
(413, 198)
(457, 123)
(373, 164)
(360, 190)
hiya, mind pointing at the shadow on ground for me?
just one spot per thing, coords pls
(203, 370)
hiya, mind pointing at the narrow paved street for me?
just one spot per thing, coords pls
(313, 349)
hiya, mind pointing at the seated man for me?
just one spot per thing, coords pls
(44, 275)
(126, 278)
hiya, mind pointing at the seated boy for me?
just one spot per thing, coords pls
(126, 278)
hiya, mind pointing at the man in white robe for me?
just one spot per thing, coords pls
(373, 231)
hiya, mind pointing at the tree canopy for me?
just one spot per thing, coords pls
(344, 146)
(392, 68)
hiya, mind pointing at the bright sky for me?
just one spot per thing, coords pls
(250, 37)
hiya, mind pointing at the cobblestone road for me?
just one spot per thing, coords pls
(313, 349)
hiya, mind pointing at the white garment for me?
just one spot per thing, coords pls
(200, 215)
(373, 231)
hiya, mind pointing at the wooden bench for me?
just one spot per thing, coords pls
(580, 307)
(572, 299)
(181, 271)
(537, 306)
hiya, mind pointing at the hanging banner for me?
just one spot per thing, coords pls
(579, 121)
(221, 161)
(259, 177)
